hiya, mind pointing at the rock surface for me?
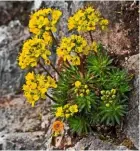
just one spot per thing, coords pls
(121, 38)
(131, 126)
(11, 38)
(67, 8)
(132, 64)
(94, 143)
(22, 126)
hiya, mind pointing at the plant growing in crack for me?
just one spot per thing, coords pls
(90, 90)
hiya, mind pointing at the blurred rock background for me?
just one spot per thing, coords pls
(23, 127)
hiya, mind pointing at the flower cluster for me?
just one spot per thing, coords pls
(108, 96)
(32, 50)
(66, 111)
(57, 127)
(94, 46)
(71, 48)
(44, 20)
(83, 69)
(36, 86)
(81, 90)
(47, 37)
(87, 20)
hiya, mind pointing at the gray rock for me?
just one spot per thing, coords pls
(67, 8)
(11, 38)
(22, 141)
(37, 4)
(131, 127)
(5, 5)
(94, 143)
(132, 64)
(20, 124)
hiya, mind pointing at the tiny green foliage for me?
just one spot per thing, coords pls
(111, 108)
(87, 89)
(79, 125)
(100, 63)
(111, 113)
(118, 79)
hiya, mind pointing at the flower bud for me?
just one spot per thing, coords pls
(107, 105)
(83, 90)
(81, 94)
(113, 91)
(102, 92)
(85, 86)
(108, 92)
(113, 96)
(102, 98)
(76, 90)
(87, 91)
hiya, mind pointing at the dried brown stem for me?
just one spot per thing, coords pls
(45, 69)
(68, 62)
(55, 40)
(55, 69)
(50, 97)
(91, 36)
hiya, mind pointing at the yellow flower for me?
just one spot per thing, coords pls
(35, 97)
(33, 85)
(59, 112)
(47, 38)
(75, 60)
(66, 106)
(32, 50)
(94, 46)
(30, 76)
(71, 47)
(66, 111)
(87, 19)
(104, 22)
(51, 82)
(73, 108)
(77, 84)
(67, 115)
(36, 87)
(44, 20)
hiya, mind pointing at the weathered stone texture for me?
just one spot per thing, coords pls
(94, 143)
(131, 126)
(11, 38)
(22, 126)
